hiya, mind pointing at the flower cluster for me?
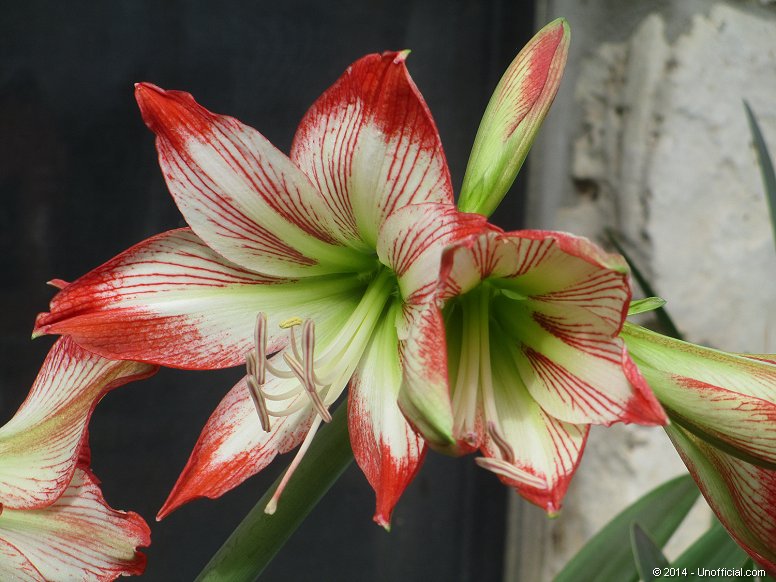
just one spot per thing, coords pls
(347, 264)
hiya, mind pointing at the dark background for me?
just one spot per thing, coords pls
(79, 183)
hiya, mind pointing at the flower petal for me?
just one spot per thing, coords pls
(513, 117)
(233, 446)
(742, 495)
(14, 566)
(412, 241)
(370, 145)
(385, 446)
(597, 383)
(171, 300)
(239, 193)
(424, 397)
(79, 537)
(728, 397)
(529, 449)
(40, 445)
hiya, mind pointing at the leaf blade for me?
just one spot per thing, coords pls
(608, 555)
(766, 165)
(646, 553)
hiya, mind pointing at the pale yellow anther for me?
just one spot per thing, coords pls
(290, 322)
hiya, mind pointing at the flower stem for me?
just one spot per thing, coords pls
(260, 536)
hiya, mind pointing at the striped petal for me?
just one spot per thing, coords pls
(513, 117)
(385, 446)
(240, 194)
(424, 397)
(78, 537)
(370, 146)
(233, 446)
(563, 301)
(527, 448)
(15, 566)
(412, 241)
(727, 398)
(741, 494)
(171, 300)
(40, 445)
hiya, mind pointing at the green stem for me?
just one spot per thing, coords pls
(260, 536)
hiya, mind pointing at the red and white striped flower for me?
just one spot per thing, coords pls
(741, 494)
(532, 321)
(296, 256)
(723, 412)
(54, 522)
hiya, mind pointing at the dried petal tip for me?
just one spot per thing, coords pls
(383, 520)
(401, 56)
(58, 283)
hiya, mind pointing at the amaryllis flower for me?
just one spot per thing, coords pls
(741, 494)
(532, 321)
(296, 256)
(723, 408)
(54, 522)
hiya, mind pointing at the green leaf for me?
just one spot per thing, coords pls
(259, 536)
(646, 554)
(714, 549)
(608, 555)
(662, 315)
(766, 166)
(644, 305)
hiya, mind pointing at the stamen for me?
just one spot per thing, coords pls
(308, 348)
(283, 395)
(258, 401)
(273, 503)
(507, 453)
(250, 363)
(260, 340)
(277, 372)
(289, 410)
(504, 469)
(296, 368)
(298, 405)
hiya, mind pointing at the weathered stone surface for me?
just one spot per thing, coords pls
(663, 155)
(668, 151)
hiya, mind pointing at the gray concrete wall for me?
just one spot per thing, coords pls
(648, 137)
